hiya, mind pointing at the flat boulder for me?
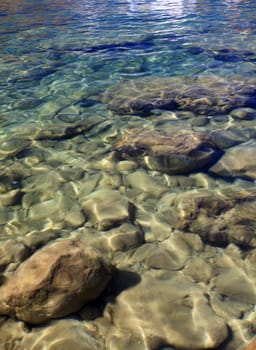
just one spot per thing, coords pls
(219, 217)
(180, 153)
(55, 281)
(164, 311)
(199, 94)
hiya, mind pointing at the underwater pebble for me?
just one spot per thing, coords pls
(106, 208)
(243, 113)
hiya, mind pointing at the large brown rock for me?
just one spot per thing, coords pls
(55, 281)
(219, 217)
(200, 94)
(183, 152)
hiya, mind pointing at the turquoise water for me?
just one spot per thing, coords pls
(74, 76)
(54, 48)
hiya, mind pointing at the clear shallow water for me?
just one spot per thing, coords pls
(57, 58)
(49, 49)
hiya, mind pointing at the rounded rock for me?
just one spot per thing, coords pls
(54, 282)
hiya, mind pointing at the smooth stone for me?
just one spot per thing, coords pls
(199, 269)
(235, 285)
(49, 108)
(107, 208)
(184, 115)
(74, 174)
(45, 181)
(59, 209)
(53, 208)
(5, 215)
(37, 239)
(12, 251)
(12, 146)
(200, 121)
(126, 166)
(243, 113)
(55, 281)
(179, 314)
(145, 183)
(179, 153)
(172, 253)
(225, 139)
(160, 230)
(226, 308)
(238, 161)
(75, 216)
(87, 185)
(63, 334)
(10, 198)
(12, 175)
(125, 237)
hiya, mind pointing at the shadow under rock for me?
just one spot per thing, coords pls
(122, 280)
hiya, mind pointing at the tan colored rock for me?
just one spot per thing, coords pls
(55, 281)
(251, 345)
(63, 335)
(12, 251)
(125, 237)
(165, 309)
(11, 334)
(182, 152)
(106, 208)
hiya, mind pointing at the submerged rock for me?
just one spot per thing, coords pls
(238, 161)
(12, 146)
(63, 334)
(183, 152)
(219, 217)
(107, 208)
(200, 94)
(164, 310)
(55, 281)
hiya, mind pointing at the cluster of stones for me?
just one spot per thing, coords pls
(201, 94)
(122, 238)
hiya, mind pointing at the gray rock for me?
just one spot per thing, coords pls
(243, 113)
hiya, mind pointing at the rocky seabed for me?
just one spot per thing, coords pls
(132, 229)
